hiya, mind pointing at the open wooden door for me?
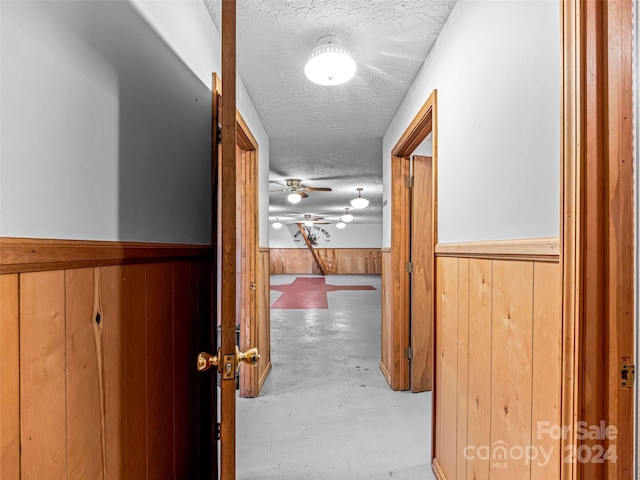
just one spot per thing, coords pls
(421, 278)
(228, 357)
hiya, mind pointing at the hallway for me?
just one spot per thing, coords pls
(326, 411)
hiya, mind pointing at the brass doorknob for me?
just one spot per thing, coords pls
(250, 357)
(206, 361)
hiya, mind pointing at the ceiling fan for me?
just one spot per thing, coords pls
(309, 219)
(294, 185)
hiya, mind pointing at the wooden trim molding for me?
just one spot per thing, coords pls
(418, 130)
(264, 249)
(437, 470)
(385, 372)
(538, 249)
(19, 255)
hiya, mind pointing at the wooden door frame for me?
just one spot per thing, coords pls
(249, 280)
(597, 238)
(423, 123)
(248, 251)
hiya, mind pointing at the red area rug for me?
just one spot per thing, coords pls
(309, 293)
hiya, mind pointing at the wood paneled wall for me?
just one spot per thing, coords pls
(337, 261)
(498, 368)
(97, 372)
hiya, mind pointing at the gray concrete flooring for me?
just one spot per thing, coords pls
(326, 411)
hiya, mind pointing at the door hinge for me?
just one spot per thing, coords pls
(408, 353)
(219, 134)
(409, 181)
(218, 431)
(408, 267)
(627, 375)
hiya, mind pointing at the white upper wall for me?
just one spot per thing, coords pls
(105, 130)
(496, 67)
(329, 236)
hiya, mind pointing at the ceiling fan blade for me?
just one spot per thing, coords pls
(302, 194)
(317, 189)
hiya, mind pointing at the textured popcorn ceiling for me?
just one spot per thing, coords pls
(331, 136)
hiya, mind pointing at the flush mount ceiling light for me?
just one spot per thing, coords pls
(359, 202)
(330, 63)
(277, 224)
(294, 197)
(341, 225)
(347, 217)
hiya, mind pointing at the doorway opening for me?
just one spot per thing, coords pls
(326, 411)
(408, 276)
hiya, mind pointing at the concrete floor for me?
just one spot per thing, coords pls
(326, 411)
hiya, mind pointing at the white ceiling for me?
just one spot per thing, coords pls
(331, 136)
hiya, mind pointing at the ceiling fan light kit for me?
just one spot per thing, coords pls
(277, 224)
(294, 197)
(359, 202)
(341, 225)
(330, 63)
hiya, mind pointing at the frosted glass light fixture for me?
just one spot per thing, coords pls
(341, 225)
(359, 202)
(294, 197)
(347, 217)
(308, 223)
(330, 63)
(277, 224)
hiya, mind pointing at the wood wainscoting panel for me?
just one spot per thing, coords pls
(160, 372)
(511, 367)
(498, 368)
(42, 375)
(547, 371)
(290, 260)
(9, 378)
(447, 354)
(479, 368)
(185, 377)
(86, 440)
(337, 261)
(97, 372)
(110, 305)
(135, 346)
(463, 365)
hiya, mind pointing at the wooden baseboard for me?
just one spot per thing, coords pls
(20, 255)
(536, 249)
(437, 470)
